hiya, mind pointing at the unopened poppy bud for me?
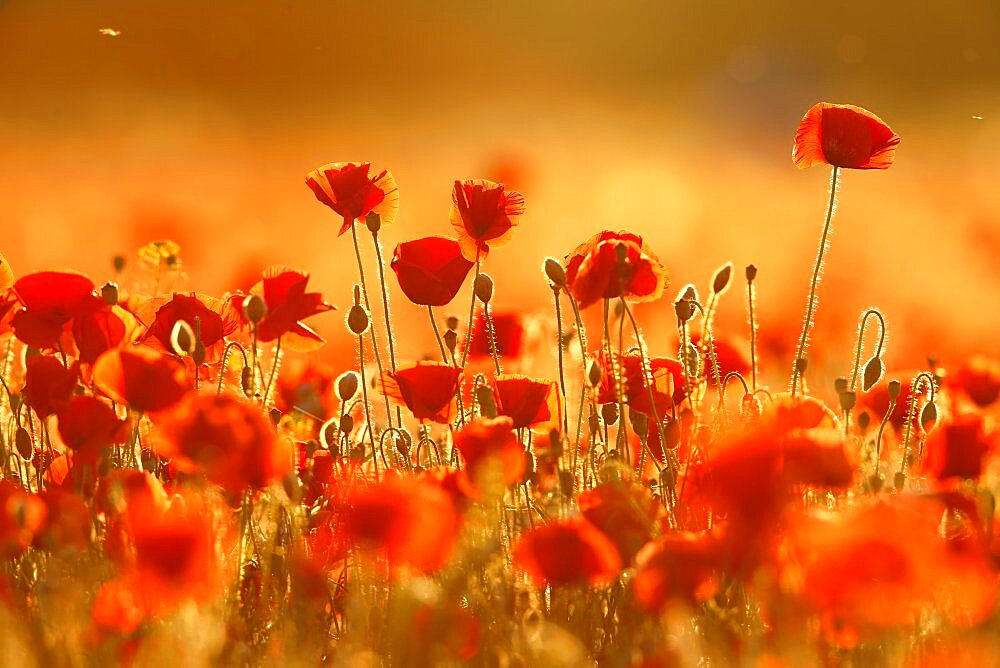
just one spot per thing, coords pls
(487, 405)
(254, 308)
(275, 416)
(118, 262)
(848, 401)
(684, 310)
(639, 422)
(928, 416)
(403, 443)
(328, 433)
(863, 421)
(555, 272)
(840, 385)
(451, 322)
(609, 412)
(751, 273)
(182, 340)
(347, 385)
(199, 353)
(873, 373)
(347, 423)
(109, 293)
(357, 319)
(593, 423)
(373, 221)
(22, 439)
(451, 340)
(594, 373)
(722, 277)
(484, 288)
(246, 380)
(893, 389)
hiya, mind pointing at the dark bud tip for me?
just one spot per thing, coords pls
(722, 277)
(347, 385)
(484, 288)
(254, 308)
(109, 293)
(555, 272)
(893, 389)
(751, 273)
(373, 221)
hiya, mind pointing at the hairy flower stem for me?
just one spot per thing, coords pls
(581, 336)
(225, 362)
(472, 313)
(861, 338)
(364, 296)
(437, 334)
(561, 352)
(878, 436)
(491, 338)
(621, 434)
(275, 363)
(751, 300)
(364, 394)
(647, 374)
(386, 313)
(911, 411)
(800, 350)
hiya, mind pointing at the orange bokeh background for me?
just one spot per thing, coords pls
(199, 120)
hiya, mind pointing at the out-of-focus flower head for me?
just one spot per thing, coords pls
(484, 215)
(529, 402)
(957, 449)
(614, 264)
(484, 441)
(426, 388)
(351, 190)
(680, 566)
(979, 379)
(843, 135)
(665, 379)
(571, 552)
(624, 511)
(142, 378)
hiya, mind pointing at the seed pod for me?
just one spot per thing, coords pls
(347, 385)
(346, 423)
(328, 433)
(254, 308)
(555, 272)
(873, 373)
(357, 319)
(722, 277)
(639, 422)
(118, 262)
(609, 413)
(487, 405)
(22, 440)
(684, 309)
(246, 380)
(484, 288)
(182, 340)
(373, 221)
(199, 353)
(751, 273)
(451, 322)
(594, 373)
(109, 293)
(621, 252)
(928, 416)
(848, 400)
(451, 339)
(840, 385)
(893, 389)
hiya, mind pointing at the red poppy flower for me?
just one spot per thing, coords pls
(216, 319)
(349, 189)
(67, 521)
(678, 566)
(666, 382)
(625, 512)
(411, 521)
(877, 401)
(50, 299)
(979, 378)
(483, 214)
(284, 293)
(731, 358)
(567, 553)
(96, 328)
(957, 449)
(142, 378)
(430, 270)
(508, 334)
(47, 384)
(843, 135)
(22, 516)
(87, 424)
(614, 264)
(426, 388)
(229, 439)
(483, 441)
(530, 402)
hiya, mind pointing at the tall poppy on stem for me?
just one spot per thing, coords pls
(426, 388)
(844, 137)
(614, 264)
(484, 213)
(430, 270)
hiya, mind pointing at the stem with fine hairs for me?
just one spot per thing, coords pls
(800, 350)
(472, 313)
(437, 334)
(861, 338)
(364, 296)
(386, 313)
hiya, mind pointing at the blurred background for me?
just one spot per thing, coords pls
(124, 122)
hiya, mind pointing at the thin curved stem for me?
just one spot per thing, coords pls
(386, 313)
(861, 338)
(437, 334)
(364, 296)
(800, 350)
(751, 299)
(472, 313)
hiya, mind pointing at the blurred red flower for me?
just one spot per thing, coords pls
(430, 270)
(426, 388)
(508, 334)
(678, 566)
(484, 441)
(666, 382)
(571, 552)
(141, 378)
(87, 424)
(50, 300)
(529, 402)
(284, 293)
(48, 384)
(68, 521)
(22, 516)
(624, 511)
(957, 449)
(843, 135)
(216, 319)
(350, 190)
(614, 264)
(979, 378)
(483, 215)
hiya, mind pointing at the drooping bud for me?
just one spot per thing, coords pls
(555, 272)
(722, 277)
(22, 440)
(357, 319)
(873, 373)
(254, 308)
(328, 433)
(609, 413)
(928, 416)
(246, 380)
(484, 288)
(684, 309)
(109, 293)
(347, 385)
(487, 405)
(594, 373)
(182, 339)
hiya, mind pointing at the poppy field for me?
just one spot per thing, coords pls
(186, 480)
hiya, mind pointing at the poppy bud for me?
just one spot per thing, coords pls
(254, 308)
(840, 385)
(22, 439)
(593, 422)
(347, 423)
(609, 412)
(751, 273)
(484, 288)
(873, 373)
(451, 339)
(750, 406)
(722, 277)
(182, 340)
(848, 401)
(357, 319)
(684, 310)
(246, 380)
(328, 435)
(639, 422)
(451, 322)
(118, 262)
(373, 221)
(928, 416)
(199, 353)
(487, 405)
(403, 443)
(594, 373)
(864, 420)
(109, 293)
(347, 385)
(893, 389)
(555, 272)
